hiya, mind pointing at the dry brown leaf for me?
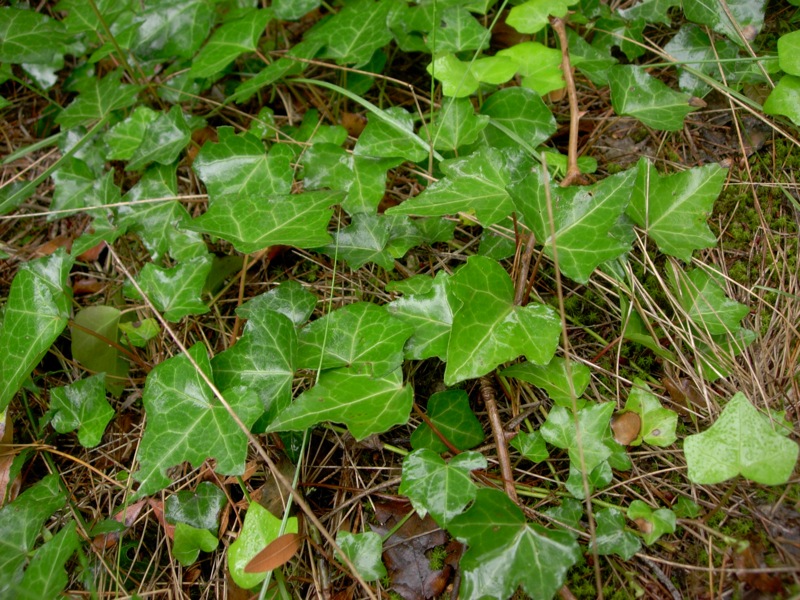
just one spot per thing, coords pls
(276, 554)
(86, 285)
(50, 246)
(626, 427)
(158, 511)
(6, 460)
(354, 123)
(127, 516)
(92, 254)
(751, 558)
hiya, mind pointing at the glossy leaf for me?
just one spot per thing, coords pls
(290, 10)
(505, 552)
(364, 551)
(428, 312)
(590, 61)
(474, 183)
(584, 220)
(176, 291)
(742, 441)
(36, 313)
(46, 576)
(187, 423)
(170, 28)
(611, 536)
(229, 41)
(706, 303)
(363, 241)
(652, 11)
(74, 183)
(138, 333)
(456, 125)
(253, 223)
(288, 65)
(539, 66)
(747, 14)
(353, 34)
(365, 404)
(277, 553)
(199, 508)
(784, 99)
(290, 299)
(554, 378)
(531, 445)
(439, 488)
(382, 140)
(533, 15)
(452, 416)
(363, 336)
(188, 541)
(126, 136)
(488, 329)
(260, 528)
(83, 406)
(97, 99)
(658, 423)
(164, 139)
(672, 209)
(458, 31)
(692, 47)
(636, 94)
(458, 80)
(789, 53)
(652, 524)
(95, 354)
(520, 113)
(27, 36)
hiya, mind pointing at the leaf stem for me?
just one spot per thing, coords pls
(488, 395)
(573, 171)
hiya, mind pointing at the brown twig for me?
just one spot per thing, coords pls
(573, 172)
(487, 393)
(426, 419)
(522, 291)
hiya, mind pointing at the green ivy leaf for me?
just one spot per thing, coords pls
(199, 508)
(46, 576)
(515, 115)
(584, 219)
(789, 53)
(506, 552)
(291, 10)
(364, 550)
(450, 412)
(170, 28)
(591, 62)
(692, 47)
(474, 183)
(747, 14)
(533, 15)
(83, 19)
(652, 523)
(365, 404)
(363, 241)
(658, 423)
(253, 223)
(458, 80)
(672, 209)
(706, 303)
(74, 183)
(611, 536)
(427, 310)
(382, 140)
(458, 31)
(163, 140)
(126, 136)
(539, 66)
(439, 488)
(353, 34)
(363, 336)
(176, 291)
(715, 359)
(554, 378)
(188, 541)
(36, 313)
(784, 99)
(237, 165)
(742, 441)
(260, 529)
(27, 36)
(456, 124)
(95, 354)
(288, 65)
(531, 445)
(652, 11)
(290, 299)
(82, 406)
(685, 508)
(488, 328)
(229, 41)
(636, 94)
(138, 333)
(187, 423)
(97, 99)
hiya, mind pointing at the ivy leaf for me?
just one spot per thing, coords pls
(382, 140)
(97, 99)
(450, 412)
(457, 77)
(176, 291)
(188, 541)
(521, 116)
(353, 34)
(439, 488)
(531, 446)
(784, 99)
(290, 299)
(46, 576)
(83, 406)
(199, 508)
(428, 312)
(94, 353)
(788, 47)
(692, 47)
(27, 36)
(584, 219)
(673, 209)
(363, 336)
(658, 423)
(488, 329)
(364, 550)
(533, 15)
(163, 140)
(170, 28)
(291, 10)
(259, 529)
(36, 313)
(140, 332)
(237, 165)
(611, 536)
(288, 65)
(458, 31)
(706, 303)
(506, 552)
(554, 378)
(229, 41)
(363, 241)
(365, 404)
(456, 124)
(591, 62)
(539, 66)
(636, 94)
(747, 15)
(474, 183)
(715, 358)
(651, 523)
(652, 11)
(253, 223)
(742, 441)
(187, 423)
(261, 361)
(126, 136)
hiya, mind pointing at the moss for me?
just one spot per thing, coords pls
(437, 558)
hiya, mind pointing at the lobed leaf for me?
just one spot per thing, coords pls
(634, 93)
(450, 413)
(83, 406)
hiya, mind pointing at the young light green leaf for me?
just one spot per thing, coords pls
(170, 28)
(560, 430)
(365, 404)
(188, 541)
(531, 445)
(260, 528)
(458, 31)
(450, 412)
(353, 34)
(611, 536)
(584, 219)
(784, 99)
(83, 406)
(554, 378)
(164, 139)
(458, 80)
(706, 303)
(533, 15)
(36, 313)
(789, 53)
(658, 423)
(635, 93)
(187, 423)
(364, 550)
(488, 328)
(517, 114)
(253, 223)
(176, 291)
(505, 552)
(742, 441)
(97, 99)
(229, 41)
(93, 352)
(382, 140)
(27, 36)
(746, 16)
(539, 66)
(290, 299)
(439, 488)
(685, 508)
(363, 336)
(672, 209)
(456, 124)
(138, 333)
(652, 524)
(474, 183)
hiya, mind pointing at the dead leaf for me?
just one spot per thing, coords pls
(276, 554)
(127, 516)
(6, 460)
(50, 246)
(684, 395)
(234, 592)
(92, 254)
(626, 427)
(86, 285)
(354, 123)
(158, 511)
(752, 558)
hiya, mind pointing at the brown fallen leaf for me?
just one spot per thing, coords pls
(50, 246)
(354, 123)
(86, 285)
(127, 516)
(93, 253)
(684, 395)
(752, 558)
(626, 427)
(6, 460)
(276, 554)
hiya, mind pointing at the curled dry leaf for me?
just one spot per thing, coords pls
(626, 427)
(276, 554)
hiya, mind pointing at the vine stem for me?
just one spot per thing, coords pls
(487, 393)
(573, 172)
